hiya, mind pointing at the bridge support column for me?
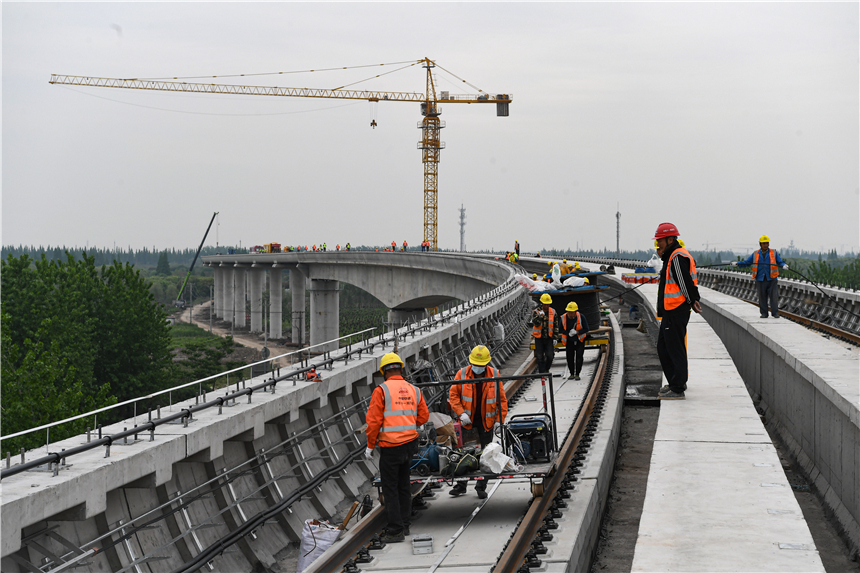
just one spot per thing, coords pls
(257, 276)
(276, 295)
(297, 290)
(325, 309)
(399, 316)
(230, 280)
(241, 319)
(218, 308)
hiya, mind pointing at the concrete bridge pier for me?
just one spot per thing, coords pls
(240, 319)
(297, 289)
(399, 316)
(276, 296)
(257, 276)
(229, 291)
(325, 308)
(220, 276)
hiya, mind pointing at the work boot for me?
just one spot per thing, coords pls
(576, 377)
(458, 489)
(666, 388)
(481, 489)
(671, 395)
(389, 537)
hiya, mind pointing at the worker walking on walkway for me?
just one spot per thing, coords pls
(544, 331)
(574, 329)
(765, 268)
(396, 410)
(677, 293)
(475, 405)
(517, 247)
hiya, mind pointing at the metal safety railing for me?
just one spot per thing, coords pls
(55, 460)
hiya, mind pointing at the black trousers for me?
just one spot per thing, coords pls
(768, 292)
(544, 353)
(394, 464)
(672, 347)
(574, 354)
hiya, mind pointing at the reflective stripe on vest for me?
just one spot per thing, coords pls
(536, 331)
(774, 270)
(564, 329)
(399, 421)
(672, 296)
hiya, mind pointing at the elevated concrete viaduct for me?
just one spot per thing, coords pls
(406, 283)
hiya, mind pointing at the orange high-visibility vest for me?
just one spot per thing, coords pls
(774, 270)
(564, 328)
(399, 419)
(461, 396)
(672, 297)
(551, 317)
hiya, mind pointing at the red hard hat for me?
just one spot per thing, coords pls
(666, 230)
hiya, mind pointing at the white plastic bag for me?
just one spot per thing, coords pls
(317, 536)
(574, 282)
(655, 263)
(556, 275)
(493, 460)
(531, 285)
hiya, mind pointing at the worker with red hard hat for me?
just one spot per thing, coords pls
(677, 294)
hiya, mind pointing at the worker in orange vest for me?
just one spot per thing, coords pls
(404, 246)
(545, 331)
(396, 410)
(765, 268)
(393, 246)
(574, 329)
(677, 294)
(475, 404)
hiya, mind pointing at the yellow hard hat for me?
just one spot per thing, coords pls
(764, 239)
(534, 275)
(564, 261)
(576, 264)
(681, 242)
(572, 307)
(656, 246)
(549, 263)
(480, 356)
(545, 299)
(388, 360)
(586, 281)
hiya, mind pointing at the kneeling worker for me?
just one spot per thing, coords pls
(475, 404)
(396, 410)
(574, 329)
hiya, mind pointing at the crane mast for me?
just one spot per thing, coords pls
(430, 144)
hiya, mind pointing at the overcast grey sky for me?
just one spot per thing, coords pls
(729, 120)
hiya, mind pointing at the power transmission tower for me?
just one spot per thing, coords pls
(618, 232)
(462, 229)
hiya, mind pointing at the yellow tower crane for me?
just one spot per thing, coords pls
(430, 144)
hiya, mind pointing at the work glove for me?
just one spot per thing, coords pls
(572, 333)
(734, 263)
(465, 419)
(785, 267)
(368, 453)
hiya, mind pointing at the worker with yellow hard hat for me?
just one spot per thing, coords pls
(765, 268)
(396, 410)
(475, 404)
(574, 329)
(517, 247)
(563, 267)
(544, 330)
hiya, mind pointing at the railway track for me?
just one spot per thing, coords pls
(513, 525)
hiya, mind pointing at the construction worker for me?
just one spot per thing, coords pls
(393, 246)
(574, 329)
(324, 247)
(475, 403)
(544, 331)
(677, 293)
(396, 410)
(348, 246)
(765, 268)
(517, 247)
(404, 246)
(337, 247)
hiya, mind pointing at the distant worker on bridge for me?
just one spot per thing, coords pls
(765, 268)
(393, 246)
(475, 403)
(396, 410)
(404, 246)
(348, 246)
(517, 247)
(544, 330)
(677, 293)
(574, 329)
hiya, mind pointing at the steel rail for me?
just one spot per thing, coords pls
(849, 336)
(518, 546)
